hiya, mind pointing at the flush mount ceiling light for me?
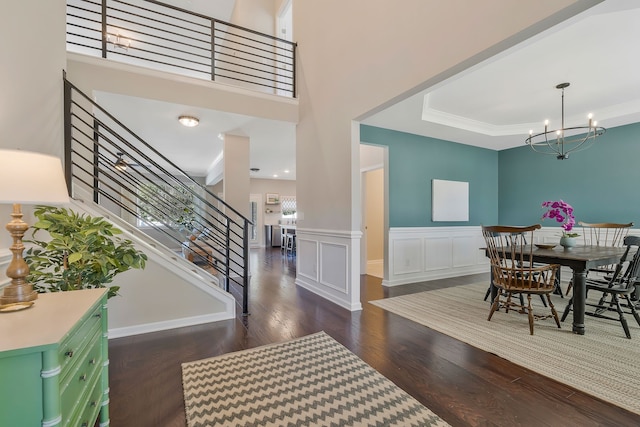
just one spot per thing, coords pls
(564, 140)
(188, 121)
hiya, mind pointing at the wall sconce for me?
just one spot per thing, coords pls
(119, 42)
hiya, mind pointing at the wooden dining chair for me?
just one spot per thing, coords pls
(603, 234)
(621, 284)
(514, 274)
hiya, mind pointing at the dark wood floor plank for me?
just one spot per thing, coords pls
(464, 385)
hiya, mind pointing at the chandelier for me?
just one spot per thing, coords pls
(563, 141)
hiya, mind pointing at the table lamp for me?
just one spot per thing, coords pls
(26, 178)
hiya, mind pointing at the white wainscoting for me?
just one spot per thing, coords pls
(418, 254)
(5, 260)
(324, 265)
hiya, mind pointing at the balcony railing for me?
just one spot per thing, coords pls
(155, 35)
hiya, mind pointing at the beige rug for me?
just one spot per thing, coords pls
(603, 362)
(310, 381)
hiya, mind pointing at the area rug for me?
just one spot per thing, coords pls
(603, 362)
(310, 381)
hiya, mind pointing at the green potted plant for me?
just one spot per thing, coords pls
(83, 252)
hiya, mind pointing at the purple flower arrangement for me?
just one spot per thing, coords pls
(562, 212)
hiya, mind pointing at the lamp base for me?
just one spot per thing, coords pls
(18, 293)
(19, 290)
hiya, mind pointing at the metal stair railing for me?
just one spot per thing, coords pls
(133, 180)
(153, 34)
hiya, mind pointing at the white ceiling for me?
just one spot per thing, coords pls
(195, 150)
(495, 104)
(492, 105)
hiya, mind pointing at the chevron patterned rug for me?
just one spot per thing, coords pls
(310, 381)
(603, 362)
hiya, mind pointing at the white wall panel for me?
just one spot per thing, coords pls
(407, 256)
(334, 266)
(448, 252)
(307, 258)
(5, 259)
(437, 253)
(324, 265)
(465, 251)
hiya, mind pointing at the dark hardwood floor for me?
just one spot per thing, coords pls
(463, 385)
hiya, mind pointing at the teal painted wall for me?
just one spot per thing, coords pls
(601, 182)
(415, 160)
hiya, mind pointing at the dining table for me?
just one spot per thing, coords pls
(580, 259)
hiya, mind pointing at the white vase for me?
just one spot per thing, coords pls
(567, 242)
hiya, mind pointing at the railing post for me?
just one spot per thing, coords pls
(227, 255)
(213, 50)
(96, 169)
(294, 70)
(104, 28)
(67, 132)
(245, 270)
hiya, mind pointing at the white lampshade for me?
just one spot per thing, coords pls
(31, 178)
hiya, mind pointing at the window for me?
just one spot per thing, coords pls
(162, 204)
(288, 204)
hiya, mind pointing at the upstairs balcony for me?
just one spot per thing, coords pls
(152, 34)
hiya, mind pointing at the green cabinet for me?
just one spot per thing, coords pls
(54, 361)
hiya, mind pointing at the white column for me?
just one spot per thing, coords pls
(236, 173)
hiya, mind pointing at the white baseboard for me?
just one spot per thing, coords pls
(167, 324)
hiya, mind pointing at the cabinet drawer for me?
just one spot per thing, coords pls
(72, 347)
(81, 378)
(89, 412)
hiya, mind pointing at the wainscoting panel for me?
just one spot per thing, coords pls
(307, 258)
(324, 261)
(437, 253)
(409, 255)
(5, 260)
(418, 254)
(444, 252)
(334, 269)
(465, 251)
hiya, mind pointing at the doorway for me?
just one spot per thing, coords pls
(374, 212)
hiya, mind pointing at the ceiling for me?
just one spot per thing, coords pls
(492, 105)
(495, 103)
(196, 150)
